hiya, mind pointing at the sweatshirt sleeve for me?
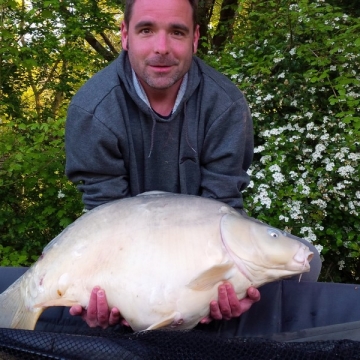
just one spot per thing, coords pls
(93, 159)
(227, 155)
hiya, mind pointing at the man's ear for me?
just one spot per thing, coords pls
(196, 38)
(124, 36)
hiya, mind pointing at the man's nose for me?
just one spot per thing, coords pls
(161, 45)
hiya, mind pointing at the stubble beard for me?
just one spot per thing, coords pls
(161, 82)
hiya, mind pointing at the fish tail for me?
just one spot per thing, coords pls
(13, 310)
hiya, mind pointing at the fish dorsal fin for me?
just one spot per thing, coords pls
(207, 279)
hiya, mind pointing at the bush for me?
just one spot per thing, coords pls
(37, 200)
(300, 74)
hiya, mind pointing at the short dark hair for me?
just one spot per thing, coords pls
(130, 3)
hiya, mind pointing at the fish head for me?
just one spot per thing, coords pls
(261, 252)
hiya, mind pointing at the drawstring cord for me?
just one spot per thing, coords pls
(186, 129)
(152, 133)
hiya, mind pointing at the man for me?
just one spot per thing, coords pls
(158, 118)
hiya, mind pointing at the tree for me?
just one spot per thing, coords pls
(46, 54)
(349, 7)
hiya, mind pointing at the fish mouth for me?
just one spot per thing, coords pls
(303, 256)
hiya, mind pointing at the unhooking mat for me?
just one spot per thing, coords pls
(292, 321)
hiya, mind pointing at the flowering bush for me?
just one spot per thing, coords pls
(300, 74)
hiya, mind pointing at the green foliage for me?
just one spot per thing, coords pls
(37, 200)
(298, 65)
(46, 53)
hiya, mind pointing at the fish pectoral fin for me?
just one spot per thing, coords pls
(207, 279)
(163, 323)
(58, 302)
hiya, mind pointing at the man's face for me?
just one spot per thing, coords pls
(160, 40)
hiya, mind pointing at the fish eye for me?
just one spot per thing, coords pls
(274, 233)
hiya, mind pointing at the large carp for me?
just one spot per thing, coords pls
(160, 257)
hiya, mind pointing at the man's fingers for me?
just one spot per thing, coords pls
(206, 320)
(228, 305)
(224, 303)
(215, 312)
(76, 310)
(98, 313)
(90, 315)
(102, 310)
(253, 294)
(114, 317)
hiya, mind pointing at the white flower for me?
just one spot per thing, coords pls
(263, 196)
(310, 234)
(354, 156)
(333, 68)
(320, 203)
(277, 60)
(312, 90)
(330, 166)
(260, 175)
(319, 148)
(275, 168)
(278, 177)
(294, 7)
(259, 149)
(319, 248)
(285, 218)
(295, 209)
(346, 170)
(265, 158)
(292, 51)
(268, 97)
(60, 194)
(310, 126)
(293, 174)
(324, 137)
(341, 264)
(281, 76)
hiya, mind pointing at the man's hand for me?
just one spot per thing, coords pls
(228, 306)
(98, 312)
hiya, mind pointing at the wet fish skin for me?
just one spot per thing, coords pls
(160, 258)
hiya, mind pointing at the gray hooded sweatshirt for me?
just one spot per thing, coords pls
(117, 146)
